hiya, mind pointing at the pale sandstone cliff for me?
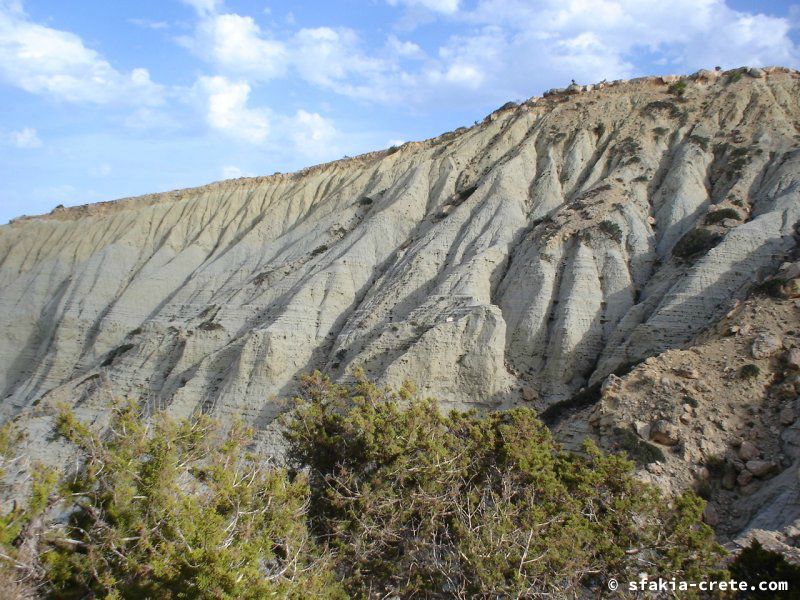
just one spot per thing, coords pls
(519, 260)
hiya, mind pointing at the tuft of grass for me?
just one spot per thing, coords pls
(735, 75)
(715, 464)
(599, 130)
(772, 288)
(637, 449)
(612, 230)
(749, 371)
(699, 140)
(678, 88)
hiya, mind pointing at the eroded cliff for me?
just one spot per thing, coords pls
(519, 260)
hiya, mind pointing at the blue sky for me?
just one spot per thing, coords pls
(101, 100)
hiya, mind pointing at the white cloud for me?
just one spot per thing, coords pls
(404, 49)
(26, 138)
(324, 56)
(236, 44)
(102, 170)
(205, 7)
(226, 106)
(313, 135)
(234, 172)
(148, 24)
(56, 63)
(441, 6)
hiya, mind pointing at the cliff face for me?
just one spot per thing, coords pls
(518, 260)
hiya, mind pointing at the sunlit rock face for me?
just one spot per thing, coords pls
(519, 260)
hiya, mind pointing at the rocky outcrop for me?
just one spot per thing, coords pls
(520, 260)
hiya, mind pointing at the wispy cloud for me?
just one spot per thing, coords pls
(148, 24)
(26, 138)
(55, 63)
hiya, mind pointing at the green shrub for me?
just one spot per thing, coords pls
(715, 216)
(699, 140)
(612, 230)
(599, 130)
(749, 371)
(735, 75)
(180, 510)
(423, 504)
(772, 287)
(388, 496)
(695, 242)
(715, 465)
(637, 449)
(691, 401)
(678, 88)
(755, 564)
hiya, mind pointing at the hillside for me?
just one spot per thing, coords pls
(518, 261)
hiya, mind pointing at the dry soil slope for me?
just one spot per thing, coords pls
(518, 260)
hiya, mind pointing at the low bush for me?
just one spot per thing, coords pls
(755, 564)
(637, 449)
(678, 88)
(387, 497)
(695, 243)
(176, 510)
(716, 216)
(423, 504)
(772, 287)
(749, 371)
(612, 230)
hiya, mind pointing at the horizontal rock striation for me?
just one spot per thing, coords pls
(518, 260)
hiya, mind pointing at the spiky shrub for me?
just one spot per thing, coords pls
(181, 510)
(423, 504)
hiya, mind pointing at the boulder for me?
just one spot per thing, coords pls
(745, 477)
(748, 451)
(792, 359)
(756, 72)
(792, 288)
(787, 416)
(687, 371)
(760, 468)
(665, 433)
(765, 345)
(710, 515)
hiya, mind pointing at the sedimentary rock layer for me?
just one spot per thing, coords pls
(519, 260)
